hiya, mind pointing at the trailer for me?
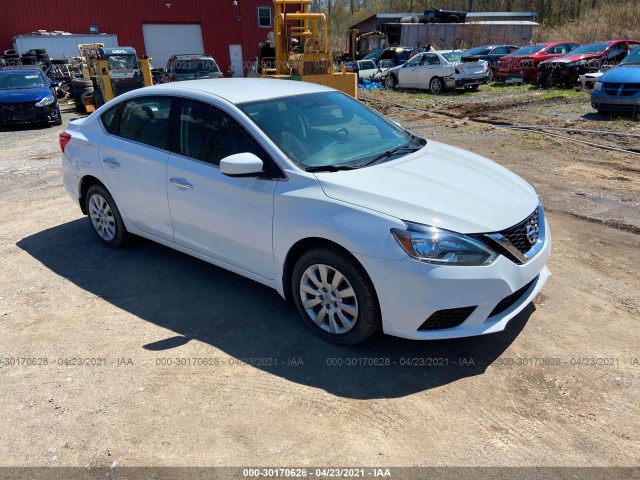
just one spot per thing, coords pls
(61, 45)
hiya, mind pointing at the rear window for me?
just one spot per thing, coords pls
(196, 65)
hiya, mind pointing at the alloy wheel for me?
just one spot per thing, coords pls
(102, 217)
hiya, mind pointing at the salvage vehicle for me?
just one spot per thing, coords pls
(434, 15)
(191, 67)
(438, 71)
(365, 69)
(491, 54)
(27, 96)
(566, 70)
(362, 224)
(618, 89)
(524, 62)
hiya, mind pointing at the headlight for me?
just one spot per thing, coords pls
(576, 64)
(597, 87)
(48, 100)
(442, 247)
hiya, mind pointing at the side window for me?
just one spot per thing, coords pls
(500, 51)
(431, 59)
(513, 49)
(208, 134)
(146, 120)
(110, 119)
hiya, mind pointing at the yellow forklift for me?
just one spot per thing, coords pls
(298, 49)
(113, 70)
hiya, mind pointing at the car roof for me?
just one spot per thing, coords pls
(192, 55)
(21, 68)
(243, 90)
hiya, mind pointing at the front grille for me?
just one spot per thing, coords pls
(17, 107)
(622, 89)
(517, 235)
(448, 318)
(507, 302)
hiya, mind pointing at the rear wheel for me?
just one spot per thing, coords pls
(105, 218)
(436, 86)
(335, 296)
(490, 75)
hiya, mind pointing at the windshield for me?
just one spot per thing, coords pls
(452, 56)
(591, 48)
(633, 58)
(321, 129)
(529, 50)
(373, 55)
(20, 80)
(123, 62)
(199, 65)
(478, 51)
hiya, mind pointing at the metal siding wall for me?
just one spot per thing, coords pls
(125, 18)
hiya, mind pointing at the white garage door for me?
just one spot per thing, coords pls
(163, 40)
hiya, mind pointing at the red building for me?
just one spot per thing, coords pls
(228, 30)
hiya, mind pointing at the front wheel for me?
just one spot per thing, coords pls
(105, 217)
(390, 81)
(335, 297)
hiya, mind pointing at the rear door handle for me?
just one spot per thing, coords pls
(112, 162)
(181, 183)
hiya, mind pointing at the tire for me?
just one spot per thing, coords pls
(98, 99)
(39, 51)
(490, 74)
(2, 62)
(81, 83)
(471, 88)
(356, 318)
(28, 60)
(60, 61)
(436, 86)
(59, 120)
(12, 62)
(390, 81)
(104, 217)
(11, 54)
(453, 19)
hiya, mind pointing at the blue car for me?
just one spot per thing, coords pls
(618, 90)
(26, 96)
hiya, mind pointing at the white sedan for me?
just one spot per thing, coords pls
(438, 71)
(362, 224)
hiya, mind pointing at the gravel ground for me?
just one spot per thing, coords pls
(195, 366)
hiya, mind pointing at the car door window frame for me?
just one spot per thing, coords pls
(272, 171)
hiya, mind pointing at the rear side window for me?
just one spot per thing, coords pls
(146, 120)
(208, 134)
(110, 119)
(500, 51)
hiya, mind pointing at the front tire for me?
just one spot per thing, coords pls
(390, 81)
(335, 296)
(105, 218)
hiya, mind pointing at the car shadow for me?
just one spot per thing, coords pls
(250, 322)
(608, 117)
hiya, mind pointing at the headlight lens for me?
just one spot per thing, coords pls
(48, 100)
(442, 247)
(597, 86)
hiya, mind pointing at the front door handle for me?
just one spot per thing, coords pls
(112, 162)
(181, 183)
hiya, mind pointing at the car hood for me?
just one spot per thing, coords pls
(439, 185)
(23, 95)
(573, 58)
(622, 73)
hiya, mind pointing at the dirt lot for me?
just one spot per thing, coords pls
(252, 386)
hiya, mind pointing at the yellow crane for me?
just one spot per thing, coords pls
(302, 50)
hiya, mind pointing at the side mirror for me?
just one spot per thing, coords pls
(53, 83)
(397, 124)
(241, 165)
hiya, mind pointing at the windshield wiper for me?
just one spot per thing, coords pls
(330, 168)
(389, 153)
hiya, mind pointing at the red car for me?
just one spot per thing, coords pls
(588, 58)
(525, 60)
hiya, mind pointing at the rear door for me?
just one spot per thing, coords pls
(229, 219)
(133, 158)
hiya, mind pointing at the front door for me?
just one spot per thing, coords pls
(227, 218)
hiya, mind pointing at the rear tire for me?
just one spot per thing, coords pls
(104, 217)
(436, 86)
(335, 296)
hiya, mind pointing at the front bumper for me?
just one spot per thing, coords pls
(410, 292)
(615, 103)
(13, 114)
